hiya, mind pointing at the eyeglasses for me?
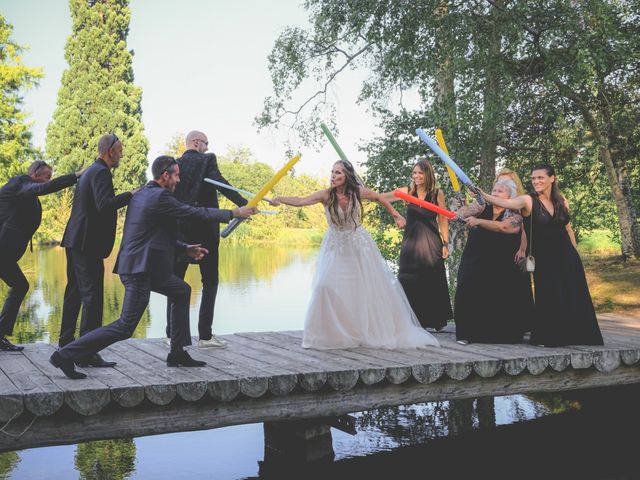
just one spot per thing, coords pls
(113, 142)
(206, 142)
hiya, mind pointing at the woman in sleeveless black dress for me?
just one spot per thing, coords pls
(489, 306)
(564, 313)
(424, 248)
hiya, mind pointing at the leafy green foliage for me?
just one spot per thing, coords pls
(16, 150)
(241, 169)
(510, 83)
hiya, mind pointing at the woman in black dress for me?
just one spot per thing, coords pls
(489, 306)
(424, 249)
(564, 313)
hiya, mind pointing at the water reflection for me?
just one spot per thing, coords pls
(112, 459)
(267, 288)
(261, 288)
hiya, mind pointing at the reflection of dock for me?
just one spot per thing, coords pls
(268, 377)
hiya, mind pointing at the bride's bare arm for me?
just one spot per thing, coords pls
(367, 194)
(320, 196)
(390, 197)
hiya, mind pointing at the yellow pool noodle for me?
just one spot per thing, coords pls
(454, 180)
(275, 179)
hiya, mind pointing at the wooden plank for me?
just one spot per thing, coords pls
(311, 376)
(160, 381)
(181, 417)
(11, 398)
(517, 357)
(87, 397)
(190, 384)
(342, 374)
(257, 376)
(457, 365)
(349, 366)
(248, 383)
(41, 395)
(157, 388)
(222, 384)
(124, 391)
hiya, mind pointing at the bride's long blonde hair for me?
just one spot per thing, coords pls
(352, 186)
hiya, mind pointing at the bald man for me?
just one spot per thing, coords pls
(196, 165)
(88, 239)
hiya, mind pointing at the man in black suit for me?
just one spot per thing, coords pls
(88, 239)
(20, 216)
(145, 264)
(195, 166)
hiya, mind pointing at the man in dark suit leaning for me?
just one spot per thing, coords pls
(88, 239)
(195, 166)
(20, 216)
(145, 264)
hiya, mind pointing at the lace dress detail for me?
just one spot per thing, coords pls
(356, 299)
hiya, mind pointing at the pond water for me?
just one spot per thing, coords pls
(266, 288)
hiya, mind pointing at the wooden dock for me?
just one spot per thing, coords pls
(268, 376)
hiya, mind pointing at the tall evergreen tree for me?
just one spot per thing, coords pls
(97, 95)
(15, 138)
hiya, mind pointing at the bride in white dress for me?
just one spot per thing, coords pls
(356, 299)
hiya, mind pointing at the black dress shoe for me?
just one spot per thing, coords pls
(183, 359)
(66, 366)
(96, 361)
(7, 346)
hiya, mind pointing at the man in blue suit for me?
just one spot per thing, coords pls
(20, 216)
(145, 264)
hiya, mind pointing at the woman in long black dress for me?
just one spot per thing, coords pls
(564, 313)
(488, 304)
(424, 249)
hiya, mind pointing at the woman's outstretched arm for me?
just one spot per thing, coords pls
(390, 197)
(522, 202)
(320, 196)
(376, 197)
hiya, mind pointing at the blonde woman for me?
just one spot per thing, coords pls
(489, 305)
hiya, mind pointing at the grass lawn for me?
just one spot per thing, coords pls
(614, 285)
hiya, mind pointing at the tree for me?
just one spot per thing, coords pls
(97, 95)
(586, 56)
(505, 80)
(176, 146)
(15, 138)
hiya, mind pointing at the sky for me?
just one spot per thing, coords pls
(202, 65)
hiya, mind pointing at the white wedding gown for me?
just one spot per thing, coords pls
(356, 299)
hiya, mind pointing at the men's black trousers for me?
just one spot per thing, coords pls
(209, 274)
(85, 288)
(137, 290)
(11, 274)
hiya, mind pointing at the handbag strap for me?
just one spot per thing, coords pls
(530, 245)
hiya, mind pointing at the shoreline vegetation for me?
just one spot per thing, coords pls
(613, 282)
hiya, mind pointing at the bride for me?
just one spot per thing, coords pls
(356, 299)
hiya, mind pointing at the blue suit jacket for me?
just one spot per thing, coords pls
(150, 240)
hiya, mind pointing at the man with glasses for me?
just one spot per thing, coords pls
(20, 216)
(88, 239)
(195, 166)
(145, 264)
